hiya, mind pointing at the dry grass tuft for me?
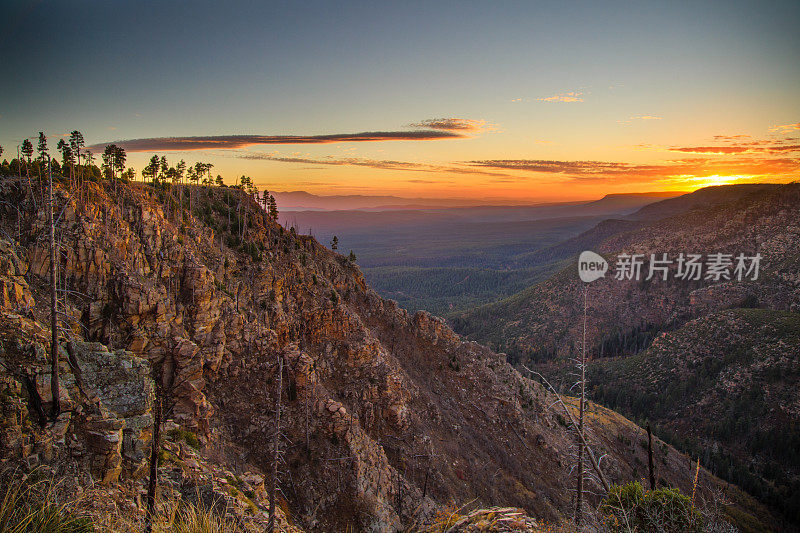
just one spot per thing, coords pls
(31, 503)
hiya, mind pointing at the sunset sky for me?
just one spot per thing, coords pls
(523, 100)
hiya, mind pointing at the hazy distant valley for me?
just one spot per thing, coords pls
(444, 259)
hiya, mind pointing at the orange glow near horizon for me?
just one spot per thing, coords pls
(716, 179)
(503, 163)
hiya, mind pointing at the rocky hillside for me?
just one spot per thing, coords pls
(725, 388)
(543, 322)
(700, 199)
(695, 404)
(388, 418)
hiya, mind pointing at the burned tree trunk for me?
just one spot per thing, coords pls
(54, 384)
(35, 401)
(276, 439)
(579, 488)
(155, 448)
(650, 458)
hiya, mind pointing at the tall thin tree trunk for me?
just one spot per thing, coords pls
(54, 385)
(155, 447)
(273, 482)
(650, 458)
(579, 494)
(308, 416)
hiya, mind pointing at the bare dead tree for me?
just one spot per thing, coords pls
(650, 458)
(582, 369)
(155, 447)
(276, 439)
(308, 416)
(595, 463)
(54, 381)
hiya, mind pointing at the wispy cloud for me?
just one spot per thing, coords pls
(574, 168)
(630, 120)
(431, 182)
(710, 149)
(613, 171)
(731, 138)
(227, 142)
(754, 147)
(380, 164)
(563, 97)
(452, 124)
(784, 128)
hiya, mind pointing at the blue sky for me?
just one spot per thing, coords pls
(609, 82)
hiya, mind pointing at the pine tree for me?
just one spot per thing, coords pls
(180, 169)
(163, 168)
(108, 161)
(151, 169)
(76, 144)
(335, 243)
(119, 159)
(66, 154)
(41, 147)
(273, 208)
(27, 151)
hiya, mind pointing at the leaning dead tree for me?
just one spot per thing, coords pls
(276, 439)
(650, 469)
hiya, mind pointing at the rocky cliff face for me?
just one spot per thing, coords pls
(387, 418)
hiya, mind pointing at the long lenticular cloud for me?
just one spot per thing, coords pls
(380, 164)
(617, 171)
(754, 147)
(451, 124)
(227, 142)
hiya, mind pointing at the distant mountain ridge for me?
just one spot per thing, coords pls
(305, 201)
(700, 198)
